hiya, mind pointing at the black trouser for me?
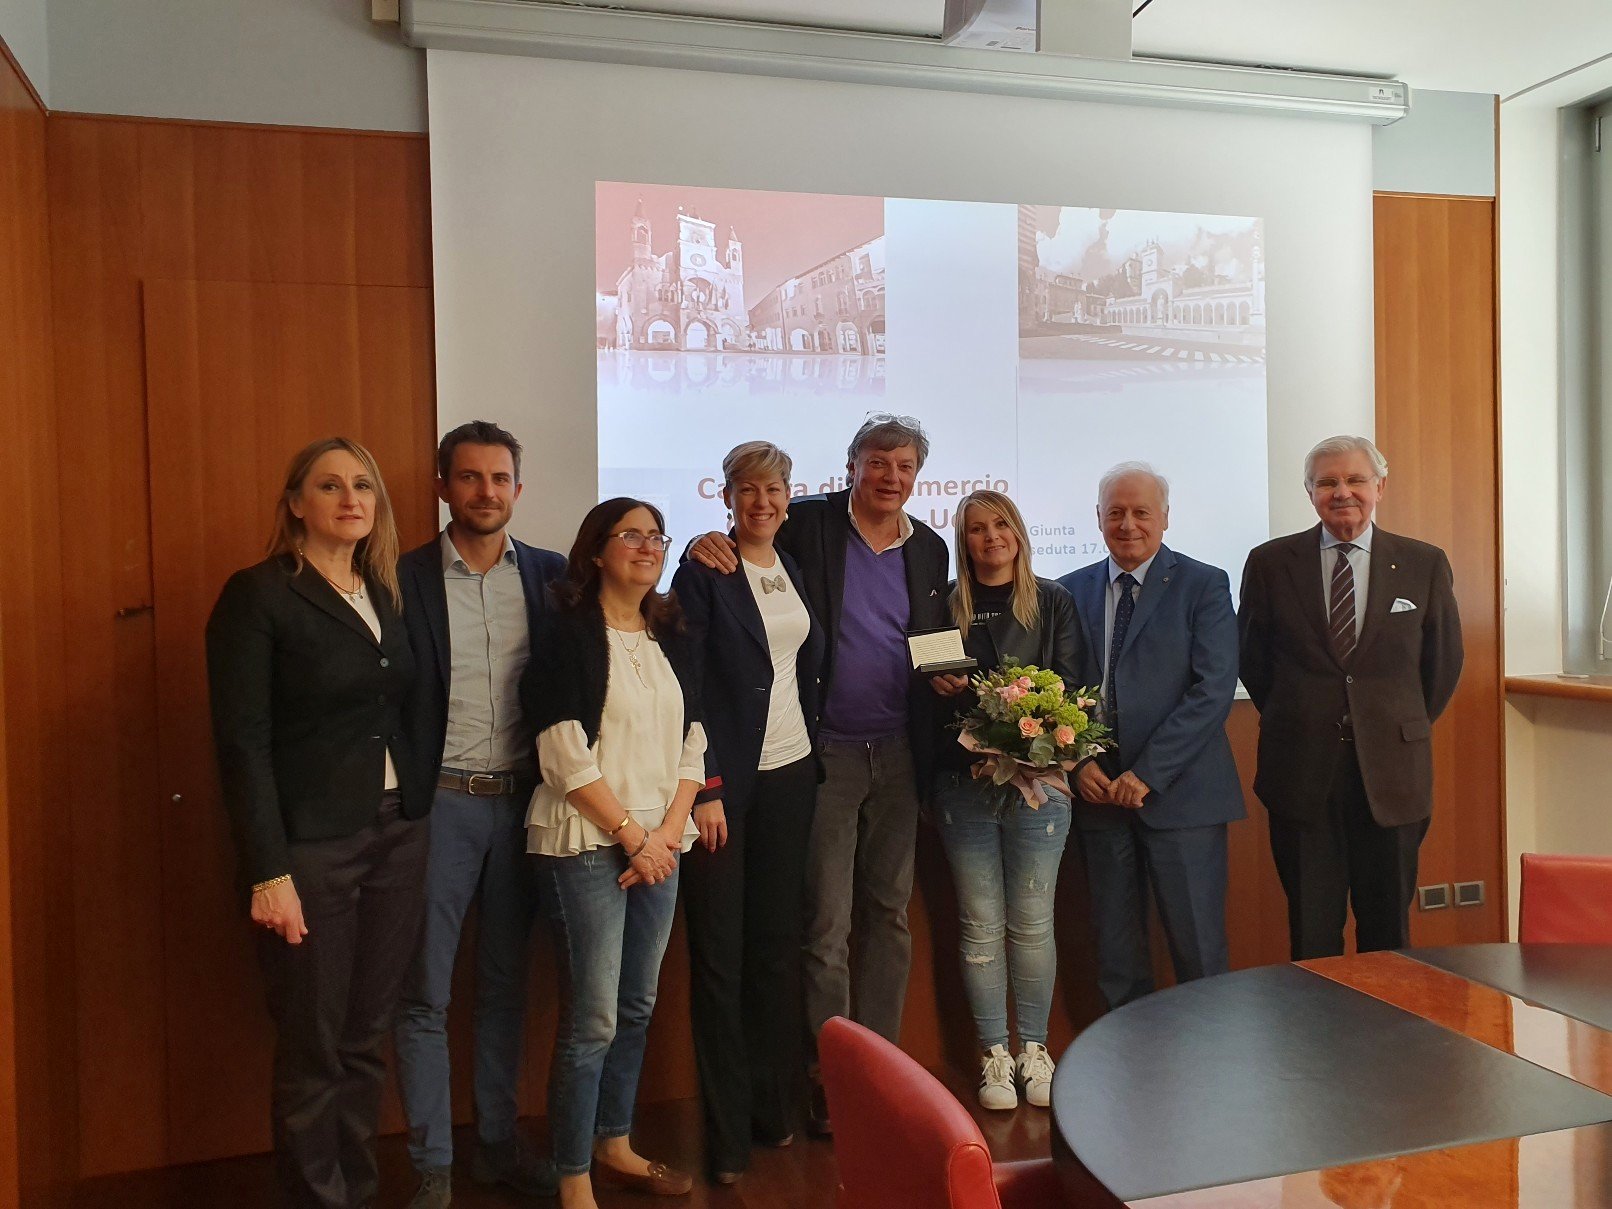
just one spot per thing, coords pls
(744, 906)
(1346, 860)
(333, 998)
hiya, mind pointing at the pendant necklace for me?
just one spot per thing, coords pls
(355, 595)
(632, 653)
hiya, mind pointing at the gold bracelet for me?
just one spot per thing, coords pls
(625, 819)
(273, 881)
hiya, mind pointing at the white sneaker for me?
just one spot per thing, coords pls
(1035, 1072)
(996, 1080)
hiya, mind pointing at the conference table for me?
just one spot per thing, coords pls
(1473, 1076)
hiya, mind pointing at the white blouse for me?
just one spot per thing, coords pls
(362, 606)
(788, 625)
(641, 752)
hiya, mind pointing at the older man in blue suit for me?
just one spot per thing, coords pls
(1161, 639)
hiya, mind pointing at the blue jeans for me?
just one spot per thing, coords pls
(475, 841)
(1004, 858)
(612, 941)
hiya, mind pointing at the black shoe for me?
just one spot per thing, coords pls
(817, 1122)
(514, 1164)
(435, 1190)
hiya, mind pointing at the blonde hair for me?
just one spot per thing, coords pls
(1026, 597)
(756, 460)
(376, 555)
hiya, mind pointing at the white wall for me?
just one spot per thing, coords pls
(23, 26)
(282, 62)
(1444, 145)
(1558, 752)
(1530, 417)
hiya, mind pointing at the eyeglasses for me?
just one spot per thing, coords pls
(1354, 482)
(635, 540)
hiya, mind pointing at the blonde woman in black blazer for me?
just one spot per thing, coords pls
(310, 667)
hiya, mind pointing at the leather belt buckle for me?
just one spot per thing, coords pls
(491, 785)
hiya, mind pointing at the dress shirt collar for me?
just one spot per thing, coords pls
(1362, 542)
(903, 530)
(1115, 570)
(453, 561)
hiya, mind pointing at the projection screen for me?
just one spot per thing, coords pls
(637, 268)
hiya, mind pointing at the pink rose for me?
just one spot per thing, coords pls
(1065, 735)
(1010, 693)
(1029, 727)
(1025, 683)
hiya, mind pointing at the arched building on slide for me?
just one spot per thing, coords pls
(691, 297)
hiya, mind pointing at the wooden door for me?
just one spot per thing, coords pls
(239, 376)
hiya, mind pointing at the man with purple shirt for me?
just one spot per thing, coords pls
(872, 573)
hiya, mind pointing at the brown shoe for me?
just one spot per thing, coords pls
(661, 1180)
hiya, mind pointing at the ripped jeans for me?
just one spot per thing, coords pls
(1004, 858)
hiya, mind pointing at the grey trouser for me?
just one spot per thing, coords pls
(858, 881)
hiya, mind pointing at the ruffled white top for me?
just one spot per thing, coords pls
(642, 753)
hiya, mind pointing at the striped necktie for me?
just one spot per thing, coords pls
(1341, 620)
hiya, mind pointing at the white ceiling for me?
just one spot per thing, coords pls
(1499, 46)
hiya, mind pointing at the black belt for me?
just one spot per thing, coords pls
(482, 784)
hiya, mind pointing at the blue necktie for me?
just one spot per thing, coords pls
(1122, 622)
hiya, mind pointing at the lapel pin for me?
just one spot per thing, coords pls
(1393, 566)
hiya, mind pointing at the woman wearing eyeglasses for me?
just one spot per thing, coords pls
(622, 754)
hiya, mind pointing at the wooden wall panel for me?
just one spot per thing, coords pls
(36, 1065)
(238, 377)
(130, 201)
(1438, 426)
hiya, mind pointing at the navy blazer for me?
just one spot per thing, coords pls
(730, 656)
(425, 613)
(1175, 679)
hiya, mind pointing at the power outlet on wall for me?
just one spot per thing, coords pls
(1433, 898)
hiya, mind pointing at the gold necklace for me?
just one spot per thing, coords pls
(632, 653)
(351, 594)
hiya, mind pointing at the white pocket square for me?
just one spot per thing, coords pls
(1401, 605)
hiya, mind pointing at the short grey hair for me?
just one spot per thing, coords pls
(1343, 444)
(1126, 470)
(884, 431)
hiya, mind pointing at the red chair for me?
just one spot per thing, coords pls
(1566, 900)
(903, 1141)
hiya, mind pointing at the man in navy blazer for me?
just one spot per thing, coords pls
(1161, 640)
(472, 597)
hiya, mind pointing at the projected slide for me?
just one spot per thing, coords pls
(1039, 345)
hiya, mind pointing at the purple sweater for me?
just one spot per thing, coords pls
(867, 695)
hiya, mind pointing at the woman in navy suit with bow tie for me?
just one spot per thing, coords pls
(758, 650)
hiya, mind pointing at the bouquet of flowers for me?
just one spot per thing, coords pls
(1030, 729)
